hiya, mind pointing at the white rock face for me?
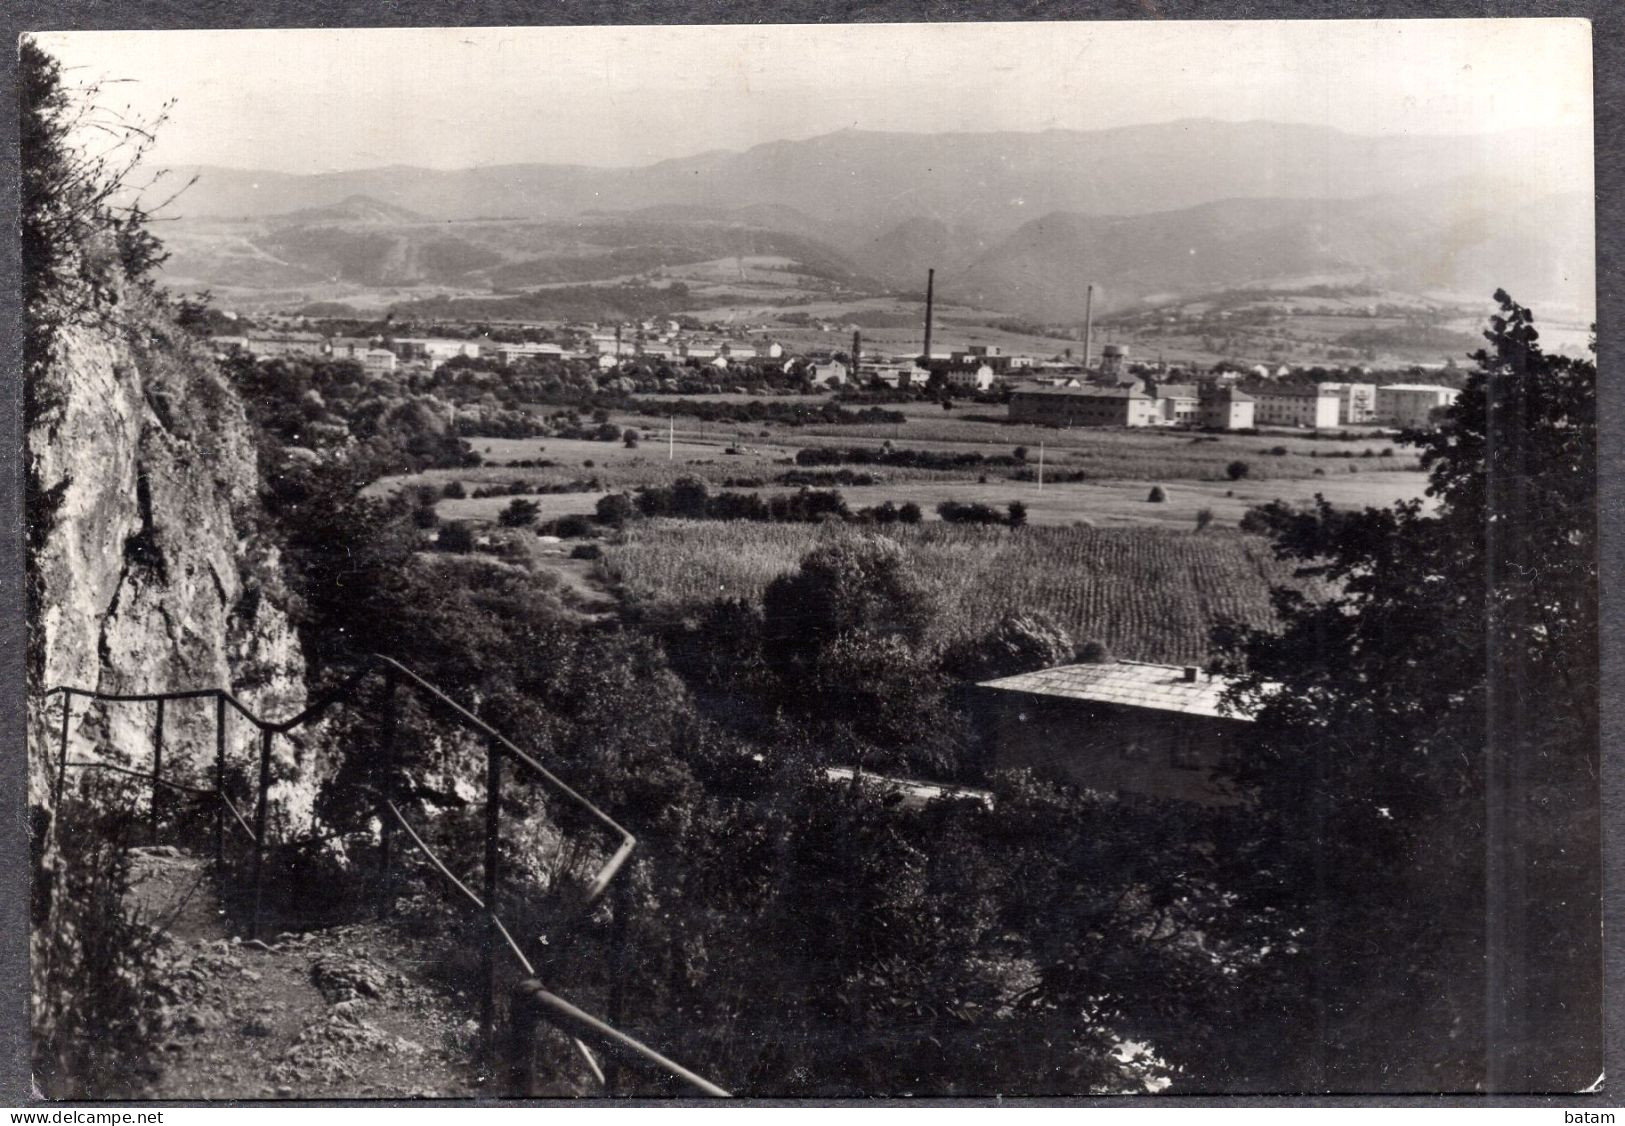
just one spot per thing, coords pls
(154, 575)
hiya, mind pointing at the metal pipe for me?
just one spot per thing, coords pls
(576, 1021)
(157, 765)
(259, 832)
(62, 754)
(220, 781)
(493, 830)
(386, 825)
(620, 934)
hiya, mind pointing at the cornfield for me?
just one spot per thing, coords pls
(1147, 593)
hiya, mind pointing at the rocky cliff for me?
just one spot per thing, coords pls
(151, 570)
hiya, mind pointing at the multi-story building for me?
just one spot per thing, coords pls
(1224, 406)
(350, 347)
(899, 373)
(1411, 405)
(969, 377)
(1083, 406)
(1178, 404)
(513, 353)
(285, 344)
(1294, 404)
(377, 361)
(1356, 402)
(831, 374)
(432, 350)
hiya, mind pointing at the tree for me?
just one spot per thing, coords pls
(1018, 514)
(1204, 517)
(1018, 643)
(615, 509)
(1426, 769)
(1156, 496)
(861, 585)
(456, 538)
(519, 513)
(629, 437)
(1236, 470)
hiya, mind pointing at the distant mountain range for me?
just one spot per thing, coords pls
(1019, 222)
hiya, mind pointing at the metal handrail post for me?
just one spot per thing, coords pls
(386, 823)
(621, 926)
(259, 832)
(62, 755)
(157, 766)
(524, 1018)
(220, 781)
(493, 830)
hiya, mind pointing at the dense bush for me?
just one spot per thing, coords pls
(95, 998)
(519, 513)
(573, 526)
(826, 477)
(1018, 643)
(456, 538)
(902, 458)
(961, 512)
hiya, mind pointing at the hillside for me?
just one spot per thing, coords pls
(1449, 240)
(869, 181)
(364, 243)
(1014, 222)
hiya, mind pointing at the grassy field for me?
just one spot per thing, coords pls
(1098, 503)
(1119, 503)
(1147, 593)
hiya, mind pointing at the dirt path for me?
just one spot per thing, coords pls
(347, 1012)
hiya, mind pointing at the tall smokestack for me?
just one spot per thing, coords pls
(857, 349)
(930, 284)
(1088, 323)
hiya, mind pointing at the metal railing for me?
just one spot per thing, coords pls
(532, 1001)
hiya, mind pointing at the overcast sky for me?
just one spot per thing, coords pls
(310, 101)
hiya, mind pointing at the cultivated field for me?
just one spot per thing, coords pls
(1147, 593)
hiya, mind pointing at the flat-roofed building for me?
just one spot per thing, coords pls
(1356, 402)
(434, 350)
(1118, 727)
(285, 344)
(514, 353)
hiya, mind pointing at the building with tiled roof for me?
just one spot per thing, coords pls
(1224, 406)
(1083, 406)
(1116, 727)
